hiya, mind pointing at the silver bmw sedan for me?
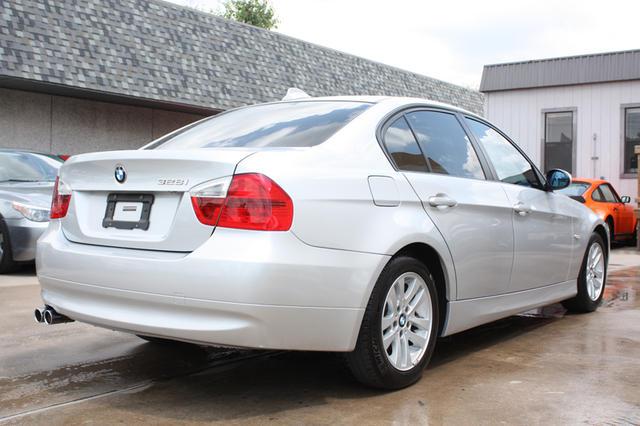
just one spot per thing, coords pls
(363, 225)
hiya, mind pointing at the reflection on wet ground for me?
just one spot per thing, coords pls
(620, 291)
(622, 288)
(540, 367)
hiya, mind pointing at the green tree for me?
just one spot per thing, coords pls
(254, 12)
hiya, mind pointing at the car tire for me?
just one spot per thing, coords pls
(411, 329)
(592, 278)
(6, 257)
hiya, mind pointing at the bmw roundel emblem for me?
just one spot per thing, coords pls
(120, 174)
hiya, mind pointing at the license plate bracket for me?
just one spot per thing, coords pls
(145, 200)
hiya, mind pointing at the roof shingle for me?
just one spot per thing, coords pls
(155, 50)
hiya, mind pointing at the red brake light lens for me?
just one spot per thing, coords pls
(61, 199)
(256, 202)
(252, 201)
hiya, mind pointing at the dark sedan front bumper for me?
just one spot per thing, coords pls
(23, 235)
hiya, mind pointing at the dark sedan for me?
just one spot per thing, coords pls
(26, 186)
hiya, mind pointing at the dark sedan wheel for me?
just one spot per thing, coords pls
(6, 259)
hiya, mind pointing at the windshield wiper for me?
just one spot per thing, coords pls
(20, 180)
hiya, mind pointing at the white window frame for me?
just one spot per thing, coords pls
(623, 120)
(574, 141)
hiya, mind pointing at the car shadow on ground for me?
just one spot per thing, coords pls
(27, 269)
(279, 382)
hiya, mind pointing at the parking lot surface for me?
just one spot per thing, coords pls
(542, 367)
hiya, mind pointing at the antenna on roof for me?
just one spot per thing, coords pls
(294, 93)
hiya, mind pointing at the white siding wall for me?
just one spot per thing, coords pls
(519, 114)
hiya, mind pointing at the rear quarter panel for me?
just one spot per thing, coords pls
(333, 204)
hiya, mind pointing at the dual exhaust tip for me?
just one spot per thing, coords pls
(49, 316)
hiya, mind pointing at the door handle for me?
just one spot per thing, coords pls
(441, 200)
(522, 209)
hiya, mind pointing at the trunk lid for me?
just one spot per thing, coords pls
(105, 212)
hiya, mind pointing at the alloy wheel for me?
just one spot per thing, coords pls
(406, 321)
(595, 271)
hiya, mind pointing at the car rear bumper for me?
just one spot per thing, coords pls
(24, 234)
(241, 288)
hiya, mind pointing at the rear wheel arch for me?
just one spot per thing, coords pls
(432, 260)
(382, 356)
(600, 230)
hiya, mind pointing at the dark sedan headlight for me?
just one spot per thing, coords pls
(33, 213)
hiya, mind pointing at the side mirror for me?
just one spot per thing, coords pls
(626, 199)
(558, 179)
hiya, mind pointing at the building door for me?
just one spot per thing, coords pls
(559, 136)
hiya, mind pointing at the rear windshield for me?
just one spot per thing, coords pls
(575, 189)
(286, 124)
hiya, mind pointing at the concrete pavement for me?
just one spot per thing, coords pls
(541, 367)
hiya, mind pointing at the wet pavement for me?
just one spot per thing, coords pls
(542, 367)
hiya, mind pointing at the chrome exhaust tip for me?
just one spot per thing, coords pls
(51, 317)
(38, 315)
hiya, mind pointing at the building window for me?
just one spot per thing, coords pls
(631, 139)
(558, 141)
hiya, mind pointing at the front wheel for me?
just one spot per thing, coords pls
(399, 328)
(592, 278)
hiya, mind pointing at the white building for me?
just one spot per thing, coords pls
(579, 113)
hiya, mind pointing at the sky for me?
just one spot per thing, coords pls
(452, 40)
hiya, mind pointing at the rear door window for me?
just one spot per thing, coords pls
(403, 148)
(445, 144)
(282, 124)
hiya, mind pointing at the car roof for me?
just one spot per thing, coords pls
(376, 99)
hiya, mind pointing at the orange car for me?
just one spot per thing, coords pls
(600, 197)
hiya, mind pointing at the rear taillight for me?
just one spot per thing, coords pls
(61, 199)
(208, 199)
(246, 201)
